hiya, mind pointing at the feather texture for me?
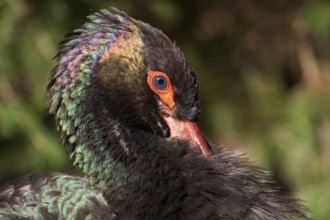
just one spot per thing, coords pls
(112, 125)
(52, 196)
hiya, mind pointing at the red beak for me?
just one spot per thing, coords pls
(187, 130)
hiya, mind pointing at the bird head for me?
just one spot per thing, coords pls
(121, 70)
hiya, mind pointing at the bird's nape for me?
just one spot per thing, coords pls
(125, 103)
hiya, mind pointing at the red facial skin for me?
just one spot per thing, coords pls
(185, 130)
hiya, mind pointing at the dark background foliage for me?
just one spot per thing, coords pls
(263, 68)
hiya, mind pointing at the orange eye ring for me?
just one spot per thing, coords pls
(151, 79)
(160, 84)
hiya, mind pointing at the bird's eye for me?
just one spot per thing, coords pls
(159, 83)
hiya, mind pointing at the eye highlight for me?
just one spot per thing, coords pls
(159, 83)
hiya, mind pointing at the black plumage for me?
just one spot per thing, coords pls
(130, 140)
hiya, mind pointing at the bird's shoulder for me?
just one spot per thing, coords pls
(52, 196)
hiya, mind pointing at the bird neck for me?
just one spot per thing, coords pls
(101, 150)
(122, 162)
(117, 152)
(108, 151)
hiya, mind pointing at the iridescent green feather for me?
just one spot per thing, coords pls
(54, 196)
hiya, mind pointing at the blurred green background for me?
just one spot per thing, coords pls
(263, 67)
